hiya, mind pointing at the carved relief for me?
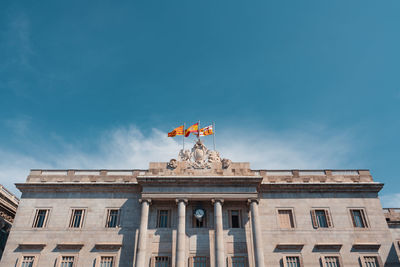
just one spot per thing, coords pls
(226, 163)
(199, 157)
(172, 164)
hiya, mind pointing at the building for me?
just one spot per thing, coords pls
(392, 216)
(8, 208)
(200, 210)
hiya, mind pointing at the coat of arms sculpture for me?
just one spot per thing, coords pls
(199, 157)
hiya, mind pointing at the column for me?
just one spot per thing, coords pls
(142, 241)
(257, 235)
(219, 234)
(181, 234)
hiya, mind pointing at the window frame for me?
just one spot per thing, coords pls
(279, 218)
(328, 218)
(46, 220)
(35, 260)
(59, 259)
(323, 259)
(364, 218)
(230, 218)
(378, 258)
(191, 260)
(118, 225)
(83, 220)
(284, 259)
(153, 260)
(168, 219)
(230, 262)
(113, 255)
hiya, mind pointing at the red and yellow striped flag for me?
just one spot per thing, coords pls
(176, 131)
(192, 129)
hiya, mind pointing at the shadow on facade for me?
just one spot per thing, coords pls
(392, 258)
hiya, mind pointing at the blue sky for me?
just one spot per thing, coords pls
(290, 84)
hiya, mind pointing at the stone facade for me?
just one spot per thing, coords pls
(200, 210)
(8, 208)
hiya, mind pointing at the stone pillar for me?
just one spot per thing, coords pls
(181, 234)
(219, 234)
(257, 235)
(142, 240)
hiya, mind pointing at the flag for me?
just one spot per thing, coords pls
(176, 131)
(206, 131)
(192, 129)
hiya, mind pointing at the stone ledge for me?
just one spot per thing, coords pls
(69, 246)
(327, 247)
(31, 246)
(107, 246)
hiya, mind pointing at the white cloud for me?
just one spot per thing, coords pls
(391, 200)
(130, 148)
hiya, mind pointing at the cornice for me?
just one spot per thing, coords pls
(200, 180)
(78, 187)
(321, 187)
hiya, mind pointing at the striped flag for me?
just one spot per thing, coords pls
(206, 131)
(192, 129)
(176, 131)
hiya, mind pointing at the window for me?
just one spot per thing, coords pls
(199, 261)
(371, 261)
(234, 216)
(112, 218)
(28, 261)
(40, 220)
(163, 261)
(238, 261)
(358, 218)
(286, 218)
(67, 261)
(77, 218)
(163, 219)
(321, 218)
(331, 261)
(106, 261)
(292, 261)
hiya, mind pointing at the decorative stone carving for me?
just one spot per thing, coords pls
(226, 163)
(184, 155)
(213, 156)
(173, 163)
(199, 157)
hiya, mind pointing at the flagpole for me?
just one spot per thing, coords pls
(198, 130)
(214, 134)
(183, 138)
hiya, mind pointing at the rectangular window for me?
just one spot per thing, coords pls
(371, 261)
(199, 261)
(161, 261)
(292, 261)
(234, 218)
(28, 261)
(239, 261)
(67, 261)
(163, 219)
(77, 217)
(40, 220)
(107, 261)
(358, 218)
(112, 218)
(286, 219)
(321, 218)
(331, 261)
